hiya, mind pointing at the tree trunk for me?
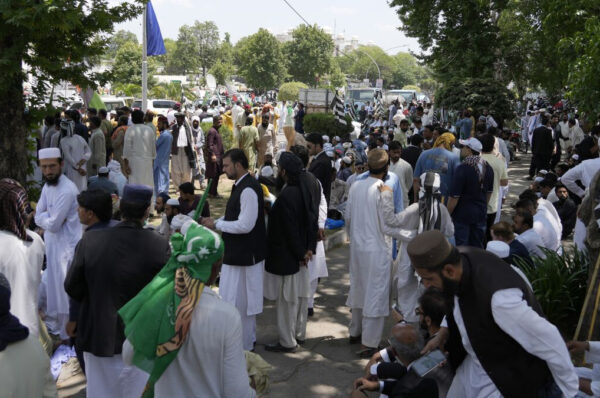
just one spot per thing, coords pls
(13, 129)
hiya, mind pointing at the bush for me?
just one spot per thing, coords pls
(559, 284)
(325, 124)
(226, 134)
(478, 94)
(290, 91)
(412, 87)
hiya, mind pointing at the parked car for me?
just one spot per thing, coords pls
(158, 106)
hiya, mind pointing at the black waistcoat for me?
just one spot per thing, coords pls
(250, 248)
(514, 371)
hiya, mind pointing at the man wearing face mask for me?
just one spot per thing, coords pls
(498, 341)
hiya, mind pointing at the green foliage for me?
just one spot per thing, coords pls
(117, 41)
(184, 59)
(223, 68)
(127, 89)
(290, 91)
(584, 71)
(206, 35)
(309, 54)
(226, 134)
(260, 61)
(127, 68)
(478, 94)
(412, 87)
(325, 123)
(559, 284)
(57, 41)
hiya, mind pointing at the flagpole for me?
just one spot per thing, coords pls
(144, 60)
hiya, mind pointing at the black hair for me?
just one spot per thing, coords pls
(49, 120)
(133, 210)
(137, 116)
(97, 201)
(102, 112)
(216, 118)
(416, 139)
(528, 194)
(480, 128)
(301, 152)
(429, 127)
(524, 204)
(433, 305)
(237, 156)
(187, 187)
(419, 108)
(404, 121)
(544, 119)
(315, 138)
(526, 216)
(93, 111)
(487, 142)
(394, 145)
(95, 120)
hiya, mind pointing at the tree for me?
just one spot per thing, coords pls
(163, 60)
(290, 91)
(184, 59)
(478, 94)
(127, 68)
(223, 68)
(117, 41)
(206, 35)
(309, 54)
(260, 61)
(455, 36)
(54, 41)
(360, 66)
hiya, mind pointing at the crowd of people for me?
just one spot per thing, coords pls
(422, 204)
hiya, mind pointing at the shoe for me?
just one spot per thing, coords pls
(300, 341)
(311, 312)
(355, 339)
(529, 178)
(279, 348)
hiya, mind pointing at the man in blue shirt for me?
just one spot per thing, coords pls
(163, 153)
(464, 126)
(437, 160)
(471, 190)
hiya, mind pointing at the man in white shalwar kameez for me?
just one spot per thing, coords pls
(56, 214)
(244, 233)
(75, 153)
(21, 254)
(427, 214)
(139, 151)
(370, 256)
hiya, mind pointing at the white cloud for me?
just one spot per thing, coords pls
(179, 3)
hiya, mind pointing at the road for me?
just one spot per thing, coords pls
(327, 364)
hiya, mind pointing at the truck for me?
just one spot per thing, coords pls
(316, 100)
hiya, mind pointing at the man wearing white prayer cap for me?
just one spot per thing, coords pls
(56, 214)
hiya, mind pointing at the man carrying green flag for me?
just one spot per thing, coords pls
(180, 331)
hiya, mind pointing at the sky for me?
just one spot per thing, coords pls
(370, 20)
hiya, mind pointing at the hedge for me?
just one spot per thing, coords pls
(290, 91)
(226, 134)
(325, 124)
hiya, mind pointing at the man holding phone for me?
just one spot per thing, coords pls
(498, 341)
(405, 377)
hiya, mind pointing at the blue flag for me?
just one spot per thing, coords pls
(156, 45)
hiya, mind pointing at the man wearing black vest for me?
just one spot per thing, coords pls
(320, 165)
(498, 340)
(244, 233)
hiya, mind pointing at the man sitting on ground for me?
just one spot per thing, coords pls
(188, 200)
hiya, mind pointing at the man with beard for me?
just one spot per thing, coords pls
(214, 155)
(199, 167)
(320, 165)
(267, 141)
(160, 206)
(289, 239)
(56, 215)
(498, 341)
(161, 162)
(182, 159)
(244, 233)
(402, 133)
(75, 152)
(566, 208)
(370, 256)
